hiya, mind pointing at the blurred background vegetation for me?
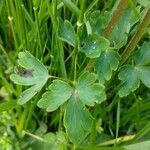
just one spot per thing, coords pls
(30, 25)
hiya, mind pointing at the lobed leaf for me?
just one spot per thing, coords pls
(24, 80)
(35, 74)
(26, 60)
(93, 45)
(66, 33)
(144, 75)
(96, 21)
(106, 63)
(130, 81)
(132, 75)
(90, 92)
(78, 121)
(28, 94)
(59, 92)
(142, 56)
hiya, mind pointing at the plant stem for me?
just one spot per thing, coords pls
(118, 119)
(31, 110)
(114, 101)
(136, 38)
(93, 132)
(133, 7)
(60, 118)
(79, 27)
(118, 140)
(23, 119)
(115, 18)
(34, 136)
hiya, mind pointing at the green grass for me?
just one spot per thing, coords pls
(93, 90)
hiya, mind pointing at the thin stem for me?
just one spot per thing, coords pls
(118, 140)
(133, 7)
(34, 136)
(23, 119)
(114, 101)
(60, 118)
(32, 105)
(115, 18)
(93, 132)
(118, 119)
(79, 27)
(136, 38)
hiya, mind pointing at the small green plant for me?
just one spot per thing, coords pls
(82, 76)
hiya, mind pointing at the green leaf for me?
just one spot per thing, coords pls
(130, 81)
(21, 79)
(29, 93)
(93, 45)
(132, 75)
(142, 61)
(90, 92)
(106, 63)
(77, 120)
(28, 61)
(144, 75)
(96, 21)
(55, 139)
(50, 138)
(139, 146)
(66, 33)
(35, 74)
(142, 56)
(59, 92)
